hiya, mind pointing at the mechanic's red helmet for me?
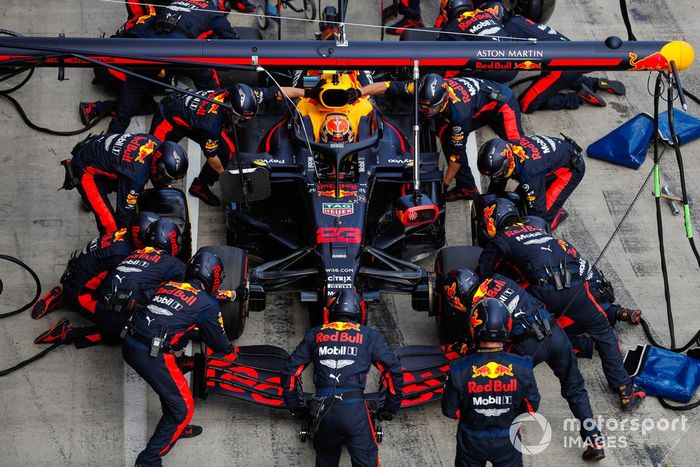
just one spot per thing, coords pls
(208, 268)
(336, 128)
(490, 321)
(164, 235)
(459, 286)
(138, 227)
(169, 164)
(497, 214)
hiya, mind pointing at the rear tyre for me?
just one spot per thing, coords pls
(235, 273)
(451, 323)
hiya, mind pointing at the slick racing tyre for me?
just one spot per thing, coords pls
(235, 273)
(451, 323)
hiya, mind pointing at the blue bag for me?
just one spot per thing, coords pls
(627, 144)
(663, 373)
(687, 127)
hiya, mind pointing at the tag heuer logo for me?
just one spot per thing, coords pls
(337, 209)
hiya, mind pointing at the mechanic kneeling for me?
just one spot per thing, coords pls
(560, 278)
(121, 163)
(535, 334)
(342, 352)
(83, 277)
(548, 170)
(155, 339)
(487, 390)
(603, 292)
(184, 19)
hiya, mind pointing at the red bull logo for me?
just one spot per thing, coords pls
(653, 62)
(481, 291)
(452, 298)
(494, 10)
(339, 336)
(468, 14)
(341, 326)
(492, 370)
(493, 386)
(528, 65)
(184, 286)
(181, 291)
(145, 150)
(520, 152)
(489, 222)
(474, 321)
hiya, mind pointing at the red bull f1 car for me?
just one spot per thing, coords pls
(339, 214)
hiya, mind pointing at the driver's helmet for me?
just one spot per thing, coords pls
(336, 128)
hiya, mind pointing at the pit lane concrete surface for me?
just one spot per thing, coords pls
(69, 408)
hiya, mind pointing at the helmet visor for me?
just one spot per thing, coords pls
(430, 109)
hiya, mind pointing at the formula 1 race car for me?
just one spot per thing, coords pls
(339, 214)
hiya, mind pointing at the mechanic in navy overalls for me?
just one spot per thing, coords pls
(548, 170)
(83, 278)
(156, 337)
(123, 163)
(487, 390)
(181, 19)
(459, 106)
(535, 334)
(342, 352)
(556, 274)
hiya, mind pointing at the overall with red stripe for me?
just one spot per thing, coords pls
(87, 271)
(544, 169)
(181, 115)
(486, 391)
(113, 162)
(471, 104)
(342, 353)
(83, 278)
(555, 348)
(539, 257)
(140, 273)
(544, 92)
(173, 314)
(193, 23)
